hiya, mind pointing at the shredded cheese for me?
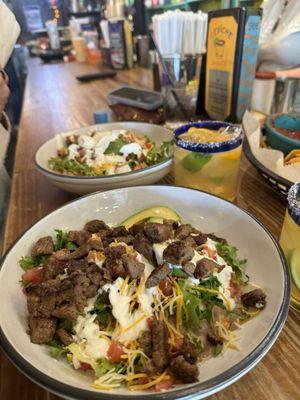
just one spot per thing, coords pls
(148, 385)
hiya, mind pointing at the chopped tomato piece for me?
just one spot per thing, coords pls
(163, 385)
(33, 275)
(150, 321)
(115, 351)
(85, 366)
(166, 287)
(233, 288)
(142, 380)
(175, 348)
(211, 253)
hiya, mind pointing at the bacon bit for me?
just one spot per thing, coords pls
(163, 385)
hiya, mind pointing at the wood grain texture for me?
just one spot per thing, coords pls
(55, 102)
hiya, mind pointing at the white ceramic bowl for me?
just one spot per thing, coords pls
(266, 267)
(86, 184)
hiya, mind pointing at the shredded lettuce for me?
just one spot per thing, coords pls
(56, 350)
(65, 165)
(158, 153)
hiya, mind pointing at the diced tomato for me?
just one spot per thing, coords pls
(149, 322)
(115, 351)
(166, 287)
(233, 288)
(85, 366)
(142, 380)
(211, 253)
(33, 275)
(175, 348)
(163, 385)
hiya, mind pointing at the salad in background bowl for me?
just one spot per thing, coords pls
(106, 156)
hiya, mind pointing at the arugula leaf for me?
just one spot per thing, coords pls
(158, 153)
(212, 282)
(103, 311)
(178, 272)
(192, 305)
(218, 349)
(229, 254)
(73, 167)
(114, 147)
(62, 241)
(28, 262)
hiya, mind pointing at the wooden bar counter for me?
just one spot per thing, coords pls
(54, 102)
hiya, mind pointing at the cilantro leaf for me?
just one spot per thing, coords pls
(62, 241)
(218, 349)
(28, 262)
(229, 254)
(178, 272)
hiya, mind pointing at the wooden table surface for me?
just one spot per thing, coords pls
(54, 102)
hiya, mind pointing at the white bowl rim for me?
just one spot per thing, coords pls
(208, 387)
(163, 163)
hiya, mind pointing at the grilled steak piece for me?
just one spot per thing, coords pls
(132, 266)
(95, 244)
(178, 253)
(213, 339)
(66, 255)
(184, 230)
(171, 222)
(184, 370)
(189, 268)
(216, 238)
(200, 239)
(189, 351)
(78, 237)
(256, 298)
(64, 336)
(157, 275)
(96, 226)
(204, 267)
(144, 246)
(114, 252)
(157, 232)
(41, 330)
(137, 228)
(190, 242)
(146, 343)
(43, 247)
(52, 267)
(160, 352)
(118, 231)
(120, 239)
(66, 311)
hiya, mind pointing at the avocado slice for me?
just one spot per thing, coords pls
(158, 220)
(157, 212)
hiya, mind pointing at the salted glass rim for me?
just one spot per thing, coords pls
(293, 199)
(213, 147)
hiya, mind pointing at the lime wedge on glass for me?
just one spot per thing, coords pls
(194, 162)
(295, 267)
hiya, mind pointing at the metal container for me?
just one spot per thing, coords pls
(143, 51)
(285, 93)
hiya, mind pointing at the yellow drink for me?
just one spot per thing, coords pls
(290, 242)
(200, 163)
